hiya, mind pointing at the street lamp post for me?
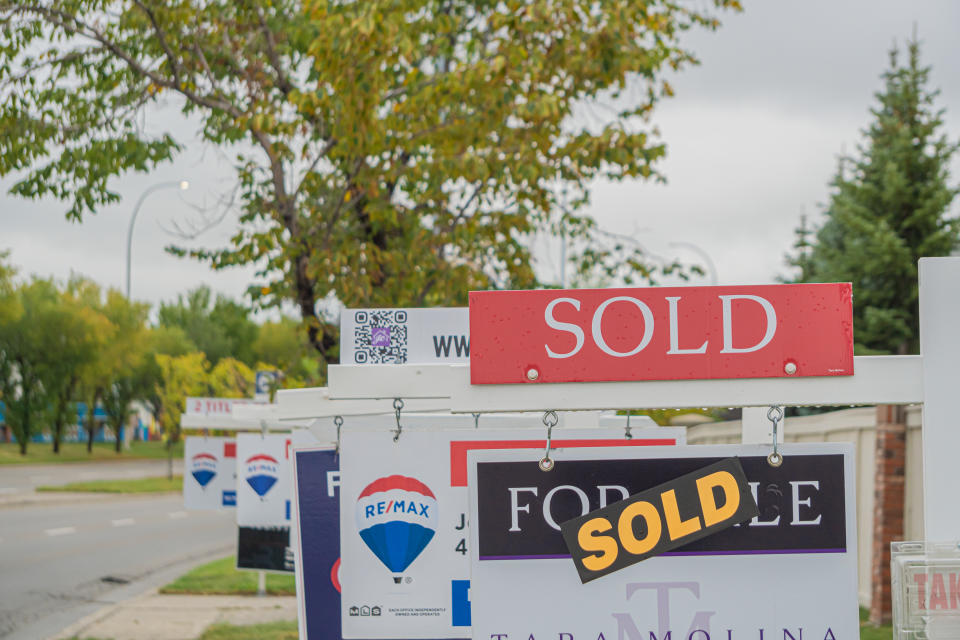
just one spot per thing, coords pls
(183, 185)
(703, 254)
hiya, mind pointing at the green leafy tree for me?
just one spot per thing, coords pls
(74, 344)
(230, 378)
(10, 312)
(27, 357)
(95, 375)
(388, 152)
(220, 327)
(281, 346)
(128, 371)
(890, 206)
(180, 377)
(169, 341)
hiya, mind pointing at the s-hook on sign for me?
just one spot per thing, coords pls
(661, 333)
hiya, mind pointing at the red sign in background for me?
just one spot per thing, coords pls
(661, 333)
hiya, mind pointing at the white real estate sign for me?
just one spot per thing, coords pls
(789, 573)
(405, 336)
(404, 539)
(210, 477)
(264, 474)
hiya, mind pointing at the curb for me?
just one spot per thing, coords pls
(162, 576)
(57, 498)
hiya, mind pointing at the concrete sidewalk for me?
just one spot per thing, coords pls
(155, 616)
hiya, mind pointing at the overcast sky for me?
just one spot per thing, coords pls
(752, 134)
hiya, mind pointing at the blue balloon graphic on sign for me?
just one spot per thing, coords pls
(203, 468)
(397, 518)
(262, 473)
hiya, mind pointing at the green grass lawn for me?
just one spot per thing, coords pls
(268, 631)
(41, 453)
(870, 632)
(131, 485)
(221, 577)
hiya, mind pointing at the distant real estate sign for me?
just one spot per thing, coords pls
(210, 476)
(661, 333)
(263, 502)
(214, 407)
(405, 336)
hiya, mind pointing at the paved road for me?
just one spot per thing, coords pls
(20, 478)
(61, 562)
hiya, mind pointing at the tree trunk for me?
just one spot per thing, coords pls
(63, 410)
(118, 428)
(92, 420)
(170, 460)
(24, 430)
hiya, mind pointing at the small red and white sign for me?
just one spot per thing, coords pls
(215, 407)
(661, 333)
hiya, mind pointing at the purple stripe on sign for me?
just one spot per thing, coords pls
(544, 557)
(683, 553)
(751, 553)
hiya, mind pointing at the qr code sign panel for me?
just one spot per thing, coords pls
(380, 337)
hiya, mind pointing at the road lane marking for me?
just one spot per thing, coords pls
(122, 522)
(174, 515)
(60, 531)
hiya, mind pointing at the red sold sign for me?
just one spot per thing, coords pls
(670, 333)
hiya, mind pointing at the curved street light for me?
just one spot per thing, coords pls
(703, 254)
(182, 184)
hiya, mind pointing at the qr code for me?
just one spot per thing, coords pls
(380, 337)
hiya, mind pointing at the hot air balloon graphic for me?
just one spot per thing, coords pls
(397, 518)
(203, 468)
(261, 473)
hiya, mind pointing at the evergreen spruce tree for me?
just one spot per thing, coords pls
(890, 206)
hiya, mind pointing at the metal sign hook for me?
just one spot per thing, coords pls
(626, 432)
(338, 421)
(550, 420)
(476, 420)
(775, 415)
(397, 408)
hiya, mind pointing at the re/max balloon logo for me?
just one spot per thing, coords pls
(396, 518)
(262, 472)
(203, 468)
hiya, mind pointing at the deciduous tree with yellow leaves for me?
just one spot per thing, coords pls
(388, 152)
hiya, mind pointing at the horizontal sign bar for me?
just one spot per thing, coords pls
(661, 333)
(879, 380)
(388, 381)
